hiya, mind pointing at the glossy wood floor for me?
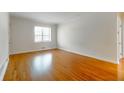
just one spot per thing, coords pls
(121, 70)
(60, 65)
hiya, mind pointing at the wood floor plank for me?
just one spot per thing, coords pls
(60, 65)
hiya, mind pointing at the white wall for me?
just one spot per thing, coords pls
(93, 34)
(22, 36)
(4, 28)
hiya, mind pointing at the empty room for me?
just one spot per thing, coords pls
(61, 46)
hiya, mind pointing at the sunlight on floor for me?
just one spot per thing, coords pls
(42, 63)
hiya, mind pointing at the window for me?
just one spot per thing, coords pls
(42, 34)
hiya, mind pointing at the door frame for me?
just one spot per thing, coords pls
(119, 36)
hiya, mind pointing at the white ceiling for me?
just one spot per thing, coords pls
(49, 17)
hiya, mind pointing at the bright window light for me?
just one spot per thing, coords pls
(42, 34)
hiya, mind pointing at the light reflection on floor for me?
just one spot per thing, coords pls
(42, 63)
(121, 70)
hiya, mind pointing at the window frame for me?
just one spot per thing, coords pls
(42, 35)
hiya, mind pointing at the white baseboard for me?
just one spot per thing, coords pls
(88, 55)
(20, 52)
(3, 69)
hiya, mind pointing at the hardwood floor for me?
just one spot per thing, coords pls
(121, 70)
(60, 65)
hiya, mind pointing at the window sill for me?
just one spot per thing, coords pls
(43, 42)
